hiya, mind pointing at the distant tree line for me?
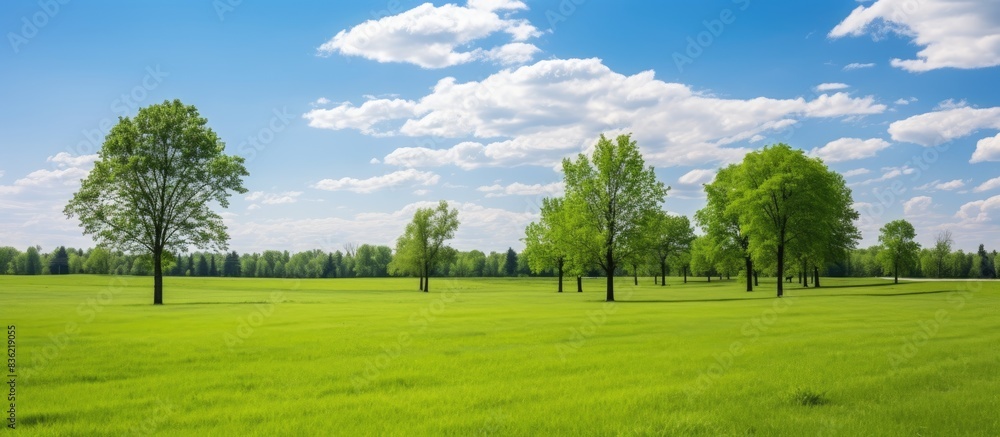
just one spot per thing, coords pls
(364, 261)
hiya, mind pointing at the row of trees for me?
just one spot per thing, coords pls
(777, 208)
(366, 260)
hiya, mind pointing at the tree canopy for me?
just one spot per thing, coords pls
(612, 195)
(421, 247)
(154, 184)
(899, 251)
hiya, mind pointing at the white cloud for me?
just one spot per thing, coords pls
(856, 172)
(519, 189)
(395, 179)
(697, 177)
(857, 66)
(274, 198)
(363, 118)
(68, 171)
(950, 185)
(891, 173)
(953, 33)
(433, 36)
(847, 149)
(374, 161)
(988, 185)
(977, 211)
(482, 227)
(537, 114)
(831, 86)
(987, 149)
(322, 101)
(938, 127)
(903, 102)
(916, 206)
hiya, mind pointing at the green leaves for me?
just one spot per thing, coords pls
(154, 183)
(900, 251)
(612, 197)
(421, 247)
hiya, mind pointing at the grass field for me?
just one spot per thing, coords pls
(502, 357)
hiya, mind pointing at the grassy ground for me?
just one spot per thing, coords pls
(502, 357)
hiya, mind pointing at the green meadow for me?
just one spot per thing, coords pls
(502, 357)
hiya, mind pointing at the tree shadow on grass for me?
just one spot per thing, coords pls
(790, 296)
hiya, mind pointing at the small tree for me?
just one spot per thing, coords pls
(421, 247)
(153, 185)
(59, 263)
(899, 251)
(670, 235)
(942, 247)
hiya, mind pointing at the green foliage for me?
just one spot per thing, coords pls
(421, 247)
(899, 250)
(611, 197)
(153, 185)
(790, 206)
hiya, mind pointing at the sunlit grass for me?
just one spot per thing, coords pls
(503, 357)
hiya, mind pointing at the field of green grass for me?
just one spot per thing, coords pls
(502, 357)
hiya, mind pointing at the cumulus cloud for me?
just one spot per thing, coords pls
(938, 127)
(890, 173)
(978, 211)
(539, 113)
(376, 183)
(831, 86)
(988, 185)
(916, 206)
(482, 227)
(519, 189)
(435, 36)
(697, 177)
(953, 33)
(847, 149)
(987, 149)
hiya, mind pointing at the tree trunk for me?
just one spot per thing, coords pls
(656, 279)
(685, 274)
(749, 273)
(816, 277)
(158, 276)
(895, 272)
(755, 283)
(560, 265)
(781, 268)
(663, 272)
(579, 284)
(635, 276)
(427, 278)
(421, 281)
(709, 278)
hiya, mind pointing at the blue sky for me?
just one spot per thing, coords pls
(353, 114)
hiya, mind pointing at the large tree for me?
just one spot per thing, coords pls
(788, 203)
(613, 195)
(670, 235)
(899, 251)
(153, 187)
(421, 247)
